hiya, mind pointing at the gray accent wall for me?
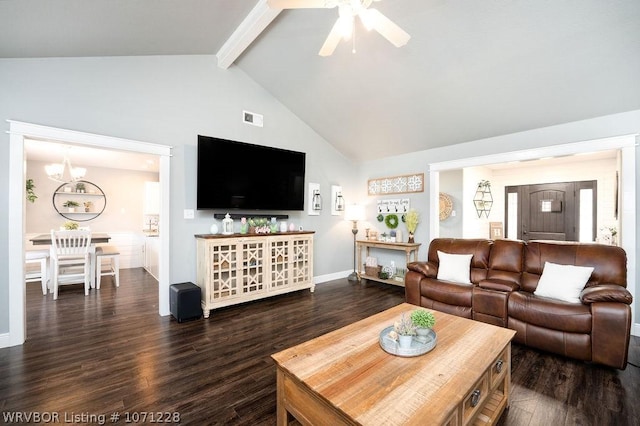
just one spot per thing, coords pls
(169, 100)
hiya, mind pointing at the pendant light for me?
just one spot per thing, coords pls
(55, 171)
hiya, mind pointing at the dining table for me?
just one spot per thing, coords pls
(96, 238)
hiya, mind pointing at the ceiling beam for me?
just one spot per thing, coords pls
(248, 30)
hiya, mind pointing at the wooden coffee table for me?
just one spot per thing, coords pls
(345, 377)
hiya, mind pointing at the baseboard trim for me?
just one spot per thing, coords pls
(5, 341)
(330, 277)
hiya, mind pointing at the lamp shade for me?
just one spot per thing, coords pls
(354, 212)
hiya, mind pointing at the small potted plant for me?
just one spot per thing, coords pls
(412, 218)
(406, 329)
(71, 205)
(244, 226)
(70, 226)
(80, 187)
(424, 321)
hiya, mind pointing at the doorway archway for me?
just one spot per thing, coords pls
(18, 132)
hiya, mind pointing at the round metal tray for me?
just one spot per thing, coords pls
(418, 346)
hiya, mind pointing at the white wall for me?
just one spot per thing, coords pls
(169, 100)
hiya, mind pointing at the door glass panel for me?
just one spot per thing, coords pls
(512, 219)
(586, 215)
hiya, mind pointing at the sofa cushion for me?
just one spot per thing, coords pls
(609, 262)
(563, 282)
(506, 261)
(549, 313)
(480, 248)
(454, 267)
(447, 292)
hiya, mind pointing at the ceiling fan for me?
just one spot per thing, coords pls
(347, 11)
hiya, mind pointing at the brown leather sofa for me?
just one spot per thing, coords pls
(504, 275)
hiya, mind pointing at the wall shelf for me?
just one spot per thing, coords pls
(93, 194)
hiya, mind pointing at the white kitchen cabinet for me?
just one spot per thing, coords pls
(152, 255)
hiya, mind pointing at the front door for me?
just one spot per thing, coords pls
(550, 211)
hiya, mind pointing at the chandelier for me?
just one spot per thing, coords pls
(55, 171)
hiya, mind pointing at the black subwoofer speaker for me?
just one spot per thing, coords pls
(184, 301)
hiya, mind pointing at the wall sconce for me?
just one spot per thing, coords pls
(316, 201)
(337, 200)
(483, 200)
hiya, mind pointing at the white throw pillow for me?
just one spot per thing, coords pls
(454, 267)
(563, 282)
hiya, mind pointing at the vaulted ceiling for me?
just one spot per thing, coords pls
(472, 69)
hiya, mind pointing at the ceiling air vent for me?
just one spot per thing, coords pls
(252, 118)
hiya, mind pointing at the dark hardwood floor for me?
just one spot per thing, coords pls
(111, 352)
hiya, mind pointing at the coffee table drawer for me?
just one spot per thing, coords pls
(475, 398)
(500, 367)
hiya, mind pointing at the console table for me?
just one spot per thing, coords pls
(238, 268)
(410, 249)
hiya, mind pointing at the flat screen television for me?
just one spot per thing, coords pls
(235, 175)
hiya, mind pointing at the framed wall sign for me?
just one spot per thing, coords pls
(402, 184)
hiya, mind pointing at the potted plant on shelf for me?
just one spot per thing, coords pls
(406, 329)
(424, 322)
(71, 205)
(258, 225)
(80, 187)
(87, 206)
(412, 218)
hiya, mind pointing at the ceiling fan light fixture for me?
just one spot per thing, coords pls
(367, 19)
(346, 27)
(372, 19)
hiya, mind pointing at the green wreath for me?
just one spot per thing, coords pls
(391, 221)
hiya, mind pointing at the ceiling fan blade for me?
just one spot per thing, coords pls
(332, 40)
(387, 28)
(301, 4)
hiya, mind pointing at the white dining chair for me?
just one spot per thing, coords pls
(40, 257)
(70, 259)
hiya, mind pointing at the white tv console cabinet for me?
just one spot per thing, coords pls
(238, 268)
